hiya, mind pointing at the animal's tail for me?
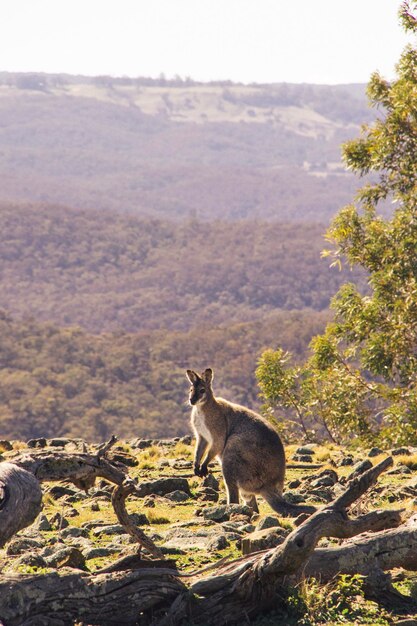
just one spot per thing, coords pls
(281, 506)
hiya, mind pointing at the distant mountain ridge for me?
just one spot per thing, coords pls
(175, 149)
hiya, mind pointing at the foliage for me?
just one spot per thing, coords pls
(64, 381)
(361, 378)
(339, 602)
(106, 271)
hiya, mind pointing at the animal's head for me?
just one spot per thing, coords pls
(200, 389)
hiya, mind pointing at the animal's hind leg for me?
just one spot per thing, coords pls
(250, 500)
(232, 492)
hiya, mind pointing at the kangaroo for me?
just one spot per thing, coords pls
(248, 448)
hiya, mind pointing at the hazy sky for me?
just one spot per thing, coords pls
(317, 41)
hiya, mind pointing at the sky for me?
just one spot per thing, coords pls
(264, 41)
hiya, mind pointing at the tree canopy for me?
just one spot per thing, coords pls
(362, 376)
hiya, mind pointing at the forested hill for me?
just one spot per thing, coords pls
(64, 381)
(175, 149)
(109, 271)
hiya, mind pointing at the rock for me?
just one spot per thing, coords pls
(79, 495)
(347, 460)
(71, 512)
(182, 465)
(43, 523)
(324, 481)
(101, 493)
(207, 494)
(110, 529)
(303, 458)
(58, 522)
(400, 469)
(74, 531)
(201, 538)
(222, 513)
(400, 451)
(58, 442)
(187, 439)
(139, 519)
(5, 445)
(22, 544)
(31, 560)
(219, 542)
(36, 443)
(375, 452)
(293, 497)
(246, 528)
(95, 506)
(149, 502)
(263, 539)
(177, 496)
(66, 557)
(142, 444)
(304, 450)
(163, 486)
(58, 491)
(323, 494)
(294, 484)
(94, 553)
(125, 459)
(211, 481)
(268, 521)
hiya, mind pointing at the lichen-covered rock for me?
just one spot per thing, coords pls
(162, 486)
(211, 481)
(66, 557)
(74, 531)
(400, 451)
(43, 523)
(207, 494)
(375, 452)
(223, 512)
(263, 539)
(304, 450)
(268, 521)
(23, 544)
(177, 496)
(58, 521)
(40, 442)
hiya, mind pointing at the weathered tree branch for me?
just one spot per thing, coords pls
(119, 496)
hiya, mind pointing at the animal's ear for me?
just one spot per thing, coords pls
(192, 376)
(208, 375)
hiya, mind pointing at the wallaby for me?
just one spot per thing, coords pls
(248, 448)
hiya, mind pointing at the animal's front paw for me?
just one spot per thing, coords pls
(204, 471)
(197, 470)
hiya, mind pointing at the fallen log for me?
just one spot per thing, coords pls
(242, 588)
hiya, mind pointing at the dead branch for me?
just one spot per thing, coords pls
(119, 496)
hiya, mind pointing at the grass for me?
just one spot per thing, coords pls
(409, 461)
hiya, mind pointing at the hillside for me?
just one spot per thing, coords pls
(178, 149)
(64, 381)
(107, 271)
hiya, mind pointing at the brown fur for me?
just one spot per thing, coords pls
(247, 446)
